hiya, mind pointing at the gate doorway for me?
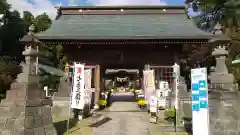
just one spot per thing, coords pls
(121, 79)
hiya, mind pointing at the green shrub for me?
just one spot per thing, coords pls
(9, 69)
(169, 114)
(236, 72)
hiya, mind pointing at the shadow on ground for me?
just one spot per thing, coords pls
(100, 122)
(61, 126)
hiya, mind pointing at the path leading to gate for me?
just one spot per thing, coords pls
(123, 118)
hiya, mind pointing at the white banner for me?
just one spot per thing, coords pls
(88, 78)
(148, 76)
(78, 87)
(88, 84)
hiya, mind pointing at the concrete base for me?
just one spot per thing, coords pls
(221, 78)
(222, 81)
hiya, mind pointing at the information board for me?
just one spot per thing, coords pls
(200, 113)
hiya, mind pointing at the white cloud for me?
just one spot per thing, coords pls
(36, 7)
(126, 2)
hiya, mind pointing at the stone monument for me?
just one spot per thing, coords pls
(220, 76)
(61, 98)
(26, 110)
(224, 110)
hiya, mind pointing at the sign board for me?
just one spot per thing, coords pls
(200, 113)
(78, 87)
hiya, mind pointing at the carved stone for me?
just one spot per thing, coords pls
(220, 74)
(26, 110)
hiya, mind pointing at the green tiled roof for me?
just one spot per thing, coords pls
(154, 26)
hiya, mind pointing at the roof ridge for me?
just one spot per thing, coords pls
(133, 7)
(119, 10)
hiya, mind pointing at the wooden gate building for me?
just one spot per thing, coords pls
(123, 36)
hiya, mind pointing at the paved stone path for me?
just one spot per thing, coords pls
(121, 120)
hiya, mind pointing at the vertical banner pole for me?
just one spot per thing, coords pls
(176, 70)
(70, 80)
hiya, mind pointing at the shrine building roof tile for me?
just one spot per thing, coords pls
(135, 22)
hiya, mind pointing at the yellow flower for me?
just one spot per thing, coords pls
(102, 102)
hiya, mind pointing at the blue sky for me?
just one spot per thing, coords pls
(37, 7)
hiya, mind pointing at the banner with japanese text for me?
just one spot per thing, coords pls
(78, 87)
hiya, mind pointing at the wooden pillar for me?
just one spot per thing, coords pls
(97, 85)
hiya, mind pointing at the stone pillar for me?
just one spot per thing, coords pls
(224, 112)
(26, 110)
(97, 86)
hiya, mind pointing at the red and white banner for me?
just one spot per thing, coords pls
(78, 87)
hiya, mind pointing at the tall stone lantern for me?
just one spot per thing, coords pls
(221, 76)
(224, 112)
(26, 110)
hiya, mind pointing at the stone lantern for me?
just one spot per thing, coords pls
(223, 98)
(26, 110)
(221, 74)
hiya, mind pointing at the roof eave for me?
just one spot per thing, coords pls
(122, 37)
